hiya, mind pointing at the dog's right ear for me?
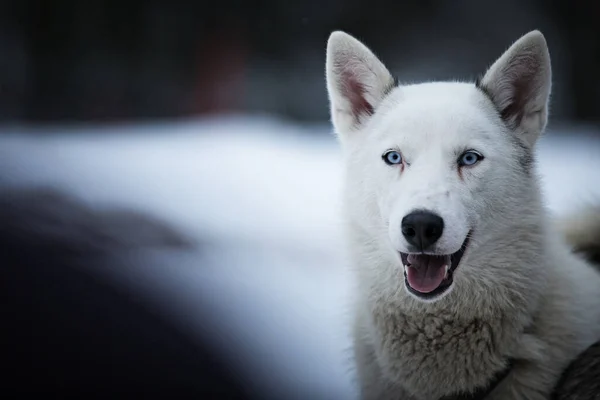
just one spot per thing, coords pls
(519, 84)
(357, 82)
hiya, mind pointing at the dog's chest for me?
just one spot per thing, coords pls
(433, 355)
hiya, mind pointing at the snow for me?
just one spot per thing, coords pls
(265, 194)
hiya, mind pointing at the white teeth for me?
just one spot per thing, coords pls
(447, 270)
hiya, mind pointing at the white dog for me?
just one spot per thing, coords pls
(465, 287)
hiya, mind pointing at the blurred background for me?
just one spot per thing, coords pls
(106, 60)
(170, 183)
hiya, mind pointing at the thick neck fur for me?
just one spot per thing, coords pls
(478, 324)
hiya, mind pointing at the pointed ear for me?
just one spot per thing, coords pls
(356, 81)
(519, 84)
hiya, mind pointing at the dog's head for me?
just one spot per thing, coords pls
(433, 167)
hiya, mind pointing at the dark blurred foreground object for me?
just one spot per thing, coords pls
(67, 330)
(581, 380)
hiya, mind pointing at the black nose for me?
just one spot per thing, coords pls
(422, 229)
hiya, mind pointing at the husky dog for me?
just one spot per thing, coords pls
(466, 289)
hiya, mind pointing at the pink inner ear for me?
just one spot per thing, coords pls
(354, 91)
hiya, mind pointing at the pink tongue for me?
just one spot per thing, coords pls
(426, 273)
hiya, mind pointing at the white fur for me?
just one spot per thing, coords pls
(518, 292)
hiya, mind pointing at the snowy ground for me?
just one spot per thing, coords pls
(266, 195)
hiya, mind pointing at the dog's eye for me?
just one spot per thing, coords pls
(392, 157)
(469, 158)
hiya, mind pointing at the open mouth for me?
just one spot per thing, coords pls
(429, 275)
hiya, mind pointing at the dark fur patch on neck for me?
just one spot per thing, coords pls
(581, 379)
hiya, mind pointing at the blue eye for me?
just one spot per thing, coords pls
(392, 157)
(469, 158)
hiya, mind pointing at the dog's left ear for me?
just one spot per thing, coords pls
(519, 84)
(357, 82)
